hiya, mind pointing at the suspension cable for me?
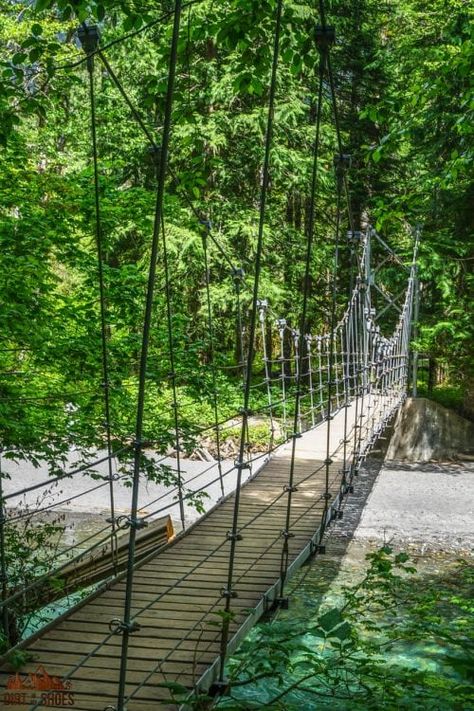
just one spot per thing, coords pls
(162, 18)
(340, 169)
(332, 86)
(5, 614)
(290, 488)
(228, 593)
(89, 38)
(210, 326)
(128, 628)
(139, 119)
(172, 374)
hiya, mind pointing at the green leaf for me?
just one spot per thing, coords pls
(19, 58)
(128, 23)
(330, 619)
(342, 632)
(35, 54)
(37, 29)
(377, 155)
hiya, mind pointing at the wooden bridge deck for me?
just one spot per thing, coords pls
(177, 595)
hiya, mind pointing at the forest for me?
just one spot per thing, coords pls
(404, 86)
(80, 145)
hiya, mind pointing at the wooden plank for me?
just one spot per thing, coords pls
(177, 594)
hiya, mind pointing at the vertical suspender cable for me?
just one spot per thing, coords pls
(362, 373)
(3, 564)
(342, 162)
(127, 626)
(320, 373)
(309, 343)
(262, 307)
(281, 323)
(89, 38)
(355, 370)
(228, 593)
(298, 374)
(172, 374)
(328, 461)
(345, 336)
(416, 316)
(210, 326)
(290, 488)
(238, 277)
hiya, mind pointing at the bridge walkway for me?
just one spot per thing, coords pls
(177, 592)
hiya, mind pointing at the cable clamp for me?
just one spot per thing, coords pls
(89, 37)
(137, 523)
(155, 152)
(286, 534)
(233, 536)
(206, 222)
(242, 465)
(129, 522)
(354, 236)
(290, 488)
(245, 412)
(118, 626)
(327, 462)
(342, 163)
(327, 496)
(325, 37)
(228, 594)
(238, 273)
(296, 435)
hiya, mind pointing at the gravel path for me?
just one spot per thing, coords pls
(429, 506)
(82, 494)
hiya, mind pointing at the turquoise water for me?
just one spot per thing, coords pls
(318, 589)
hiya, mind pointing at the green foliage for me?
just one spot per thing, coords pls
(50, 362)
(448, 396)
(426, 117)
(406, 107)
(16, 658)
(350, 654)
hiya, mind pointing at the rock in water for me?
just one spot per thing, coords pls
(425, 431)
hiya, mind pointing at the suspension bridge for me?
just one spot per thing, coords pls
(162, 624)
